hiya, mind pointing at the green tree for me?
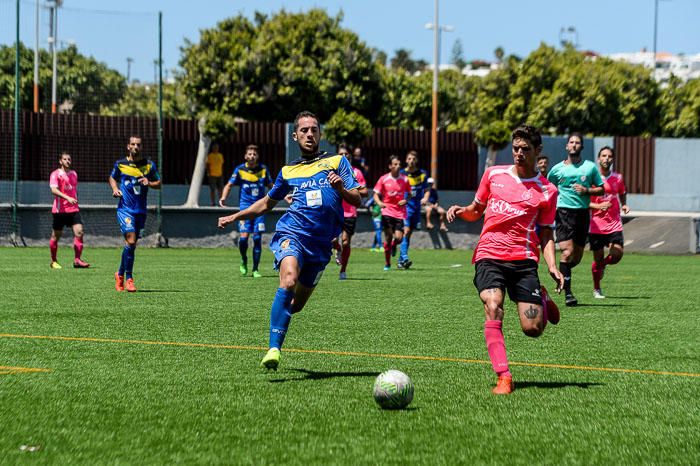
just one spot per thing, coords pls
(142, 100)
(680, 108)
(84, 85)
(457, 55)
(272, 68)
(348, 127)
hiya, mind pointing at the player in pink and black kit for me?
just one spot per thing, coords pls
(606, 222)
(513, 199)
(66, 213)
(391, 193)
(349, 215)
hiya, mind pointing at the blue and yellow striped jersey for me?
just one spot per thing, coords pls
(252, 181)
(419, 183)
(316, 212)
(126, 174)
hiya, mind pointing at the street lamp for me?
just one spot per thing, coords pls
(437, 31)
(572, 34)
(129, 61)
(53, 42)
(656, 21)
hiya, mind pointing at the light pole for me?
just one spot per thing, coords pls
(573, 34)
(36, 58)
(437, 30)
(129, 61)
(53, 43)
(656, 23)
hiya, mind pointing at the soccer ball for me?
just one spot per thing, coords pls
(393, 390)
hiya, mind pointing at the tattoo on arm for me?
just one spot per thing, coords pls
(531, 312)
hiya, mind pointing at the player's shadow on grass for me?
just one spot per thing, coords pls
(601, 305)
(628, 297)
(551, 385)
(162, 291)
(321, 375)
(365, 279)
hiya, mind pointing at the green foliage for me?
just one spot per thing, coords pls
(348, 127)
(142, 100)
(495, 134)
(680, 109)
(84, 85)
(275, 67)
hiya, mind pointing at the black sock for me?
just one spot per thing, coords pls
(565, 270)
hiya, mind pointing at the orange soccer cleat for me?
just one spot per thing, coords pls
(118, 281)
(553, 315)
(129, 285)
(504, 386)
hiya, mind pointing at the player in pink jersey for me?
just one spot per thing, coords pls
(391, 193)
(513, 199)
(350, 216)
(606, 221)
(66, 213)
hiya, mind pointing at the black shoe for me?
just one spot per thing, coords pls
(407, 263)
(571, 300)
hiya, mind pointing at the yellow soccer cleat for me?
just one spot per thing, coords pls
(271, 359)
(56, 265)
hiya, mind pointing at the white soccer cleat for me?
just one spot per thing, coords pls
(598, 294)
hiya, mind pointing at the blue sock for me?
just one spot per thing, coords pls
(122, 264)
(128, 255)
(403, 254)
(257, 250)
(280, 316)
(243, 247)
(377, 239)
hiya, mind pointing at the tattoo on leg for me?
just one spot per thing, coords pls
(531, 312)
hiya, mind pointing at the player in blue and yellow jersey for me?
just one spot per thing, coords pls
(130, 180)
(318, 182)
(253, 178)
(418, 179)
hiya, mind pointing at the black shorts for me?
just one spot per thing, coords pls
(216, 182)
(392, 223)
(349, 225)
(598, 242)
(572, 224)
(518, 277)
(61, 220)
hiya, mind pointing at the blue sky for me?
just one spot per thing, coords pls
(113, 31)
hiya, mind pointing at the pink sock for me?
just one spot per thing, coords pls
(496, 346)
(387, 253)
(53, 246)
(78, 246)
(344, 258)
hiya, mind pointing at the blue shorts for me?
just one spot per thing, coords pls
(377, 223)
(311, 270)
(412, 220)
(131, 223)
(256, 225)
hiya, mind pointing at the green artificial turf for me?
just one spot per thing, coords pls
(170, 374)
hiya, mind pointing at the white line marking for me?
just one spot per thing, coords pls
(628, 242)
(656, 245)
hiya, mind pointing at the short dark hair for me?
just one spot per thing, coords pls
(542, 157)
(529, 133)
(251, 147)
(575, 134)
(342, 145)
(61, 154)
(606, 148)
(413, 153)
(392, 158)
(304, 114)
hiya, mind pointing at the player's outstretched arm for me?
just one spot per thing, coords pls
(470, 213)
(224, 194)
(550, 257)
(257, 209)
(116, 192)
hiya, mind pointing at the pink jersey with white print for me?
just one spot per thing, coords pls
(67, 183)
(513, 207)
(350, 210)
(392, 190)
(608, 221)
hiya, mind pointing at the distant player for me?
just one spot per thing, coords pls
(391, 194)
(606, 221)
(350, 216)
(319, 182)
(376, 213)
(131, 178)
(215, 172)
(513, 199)
(418, 179)
(433, 205)
(253, 178)
(576, 180)
(66, 213)
(543, 165)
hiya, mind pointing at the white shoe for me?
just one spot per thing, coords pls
(342, 276)
(598, 294)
